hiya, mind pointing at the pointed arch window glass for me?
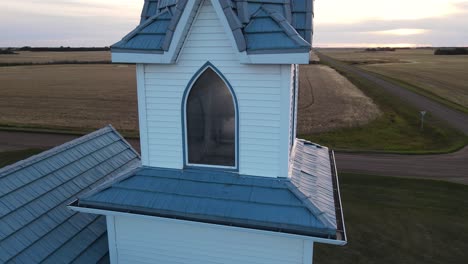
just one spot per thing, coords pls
(211, 122)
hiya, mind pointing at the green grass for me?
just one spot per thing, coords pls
(396, 131)
(394, 220)
(10, 157)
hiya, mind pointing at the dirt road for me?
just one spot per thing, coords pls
(450, 167)
(455, 118)
(12, 140)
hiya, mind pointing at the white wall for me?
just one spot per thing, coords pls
(262, 91)
(139, 240)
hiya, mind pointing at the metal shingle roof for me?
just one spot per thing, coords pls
(35, 224)
(286, 27)
(303, 204)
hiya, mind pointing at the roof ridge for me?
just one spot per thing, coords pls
(285, 25)
(108, 183)
(55, 150)
(144, 24)
(310, 205)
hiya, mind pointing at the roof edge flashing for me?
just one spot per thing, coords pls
(72, 206)
(323, 233)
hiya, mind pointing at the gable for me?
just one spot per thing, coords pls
(165, 23)
(207, 39)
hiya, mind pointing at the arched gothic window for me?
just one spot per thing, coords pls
(210, 122)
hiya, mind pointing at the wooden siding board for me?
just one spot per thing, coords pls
(257, 88)
(149, 241)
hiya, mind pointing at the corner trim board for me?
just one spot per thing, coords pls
(112, 239)
(142, 118)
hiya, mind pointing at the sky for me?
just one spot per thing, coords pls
(337, 23)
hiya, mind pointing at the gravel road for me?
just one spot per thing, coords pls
(450, 167)
(455, 118)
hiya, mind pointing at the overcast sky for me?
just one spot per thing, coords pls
(337, 22)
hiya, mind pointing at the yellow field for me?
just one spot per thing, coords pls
(69, 96)
(439, 76)
(80, 97)
(328, 101)
(49, 57)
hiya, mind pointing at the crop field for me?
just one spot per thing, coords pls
(80, 98)
(53, 57)
(328, 101)
(442, 78)
(69, 97)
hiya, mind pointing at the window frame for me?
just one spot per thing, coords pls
(184, 122)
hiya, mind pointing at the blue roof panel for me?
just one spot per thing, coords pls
(35, 224)
(302, 204)
(246, 18)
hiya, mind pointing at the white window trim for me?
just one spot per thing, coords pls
(236, 128)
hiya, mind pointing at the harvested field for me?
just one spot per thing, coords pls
(438, 77)
(328, 101)
(80, 97)
(54, 57)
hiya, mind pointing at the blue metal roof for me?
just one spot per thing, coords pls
(303, 204)
(258, 26)
(268, 30)
(35, 224)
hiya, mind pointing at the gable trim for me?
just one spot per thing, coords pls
(177, 38)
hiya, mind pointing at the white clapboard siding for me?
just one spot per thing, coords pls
(139, 240)
(257, 88)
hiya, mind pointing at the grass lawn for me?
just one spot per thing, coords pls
(394, 220)
(396, 130)
(10, 157)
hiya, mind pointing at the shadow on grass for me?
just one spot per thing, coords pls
(394, 220)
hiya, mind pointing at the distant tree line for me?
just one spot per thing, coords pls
(451, 51)
(9, 64)
(7, 51)
(63, 49)
(380, 49)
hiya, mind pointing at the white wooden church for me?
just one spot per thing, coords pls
(222, 178)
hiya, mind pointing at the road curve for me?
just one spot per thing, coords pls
(454, 118)
(450, 167)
